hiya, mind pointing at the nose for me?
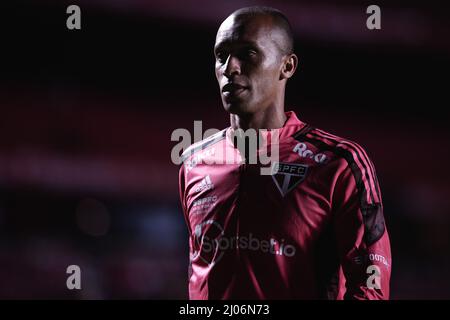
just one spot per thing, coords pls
(232, 67)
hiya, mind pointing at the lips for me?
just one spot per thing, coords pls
(233, 89)
(232, 86)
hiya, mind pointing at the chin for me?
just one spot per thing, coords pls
(238, 108)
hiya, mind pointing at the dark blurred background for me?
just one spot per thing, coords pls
(86, 118)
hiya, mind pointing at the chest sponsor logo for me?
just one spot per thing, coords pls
(287, 176)
(210, 243)
(302, 150)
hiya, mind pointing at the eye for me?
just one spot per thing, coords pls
(221, 56)
(247, 54)
(251, 53)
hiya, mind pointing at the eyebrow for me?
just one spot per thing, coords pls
(228, 43)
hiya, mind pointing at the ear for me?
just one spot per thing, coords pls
(290, 63)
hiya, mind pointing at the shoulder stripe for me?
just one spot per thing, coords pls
(355, 145)
(307, 128)
(360, 172)
(357, 165)
(362, 155)
(372, 211)
(203, 144)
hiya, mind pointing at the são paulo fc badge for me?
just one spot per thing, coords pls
(288, 175)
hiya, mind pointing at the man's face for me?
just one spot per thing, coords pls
(248, 64)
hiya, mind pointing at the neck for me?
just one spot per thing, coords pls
(269, 118)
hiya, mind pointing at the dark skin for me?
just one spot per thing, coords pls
(252, 71)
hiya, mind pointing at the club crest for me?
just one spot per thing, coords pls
(288, 175)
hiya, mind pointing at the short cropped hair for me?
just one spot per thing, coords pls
(279, 20)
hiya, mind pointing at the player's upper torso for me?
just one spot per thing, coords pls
(257, 236)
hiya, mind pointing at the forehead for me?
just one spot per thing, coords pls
(257, 30)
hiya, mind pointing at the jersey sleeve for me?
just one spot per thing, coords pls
(361, 235)
(182, 193)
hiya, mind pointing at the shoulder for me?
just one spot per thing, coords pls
(203, 144)
(351, 159)
(342, 148)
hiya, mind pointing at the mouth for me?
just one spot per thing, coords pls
(233, 90)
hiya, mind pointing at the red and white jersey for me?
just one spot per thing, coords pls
(314, 229)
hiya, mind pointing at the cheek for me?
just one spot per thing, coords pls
(217, 72)
(266, 82)
(268, 70)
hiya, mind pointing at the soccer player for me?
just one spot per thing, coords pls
(314, 228)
